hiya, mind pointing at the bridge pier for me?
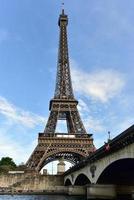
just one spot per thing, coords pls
(101, 191)
(98, 191)
(77, 190)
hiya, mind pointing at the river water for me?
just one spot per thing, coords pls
(39, 197)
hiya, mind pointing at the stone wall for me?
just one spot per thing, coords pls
(39, 182)
(10, 179)
(30, 182)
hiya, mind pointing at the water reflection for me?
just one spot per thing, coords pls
(39, 197)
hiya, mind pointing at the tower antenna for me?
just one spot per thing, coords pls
(63, 5)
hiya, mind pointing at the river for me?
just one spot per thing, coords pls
(39, 197)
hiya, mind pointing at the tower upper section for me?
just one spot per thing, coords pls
(63, 88)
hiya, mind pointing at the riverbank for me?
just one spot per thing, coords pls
(56, 190)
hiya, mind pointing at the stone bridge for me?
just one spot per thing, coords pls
(113, 165)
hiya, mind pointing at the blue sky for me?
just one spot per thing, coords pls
(101, 49)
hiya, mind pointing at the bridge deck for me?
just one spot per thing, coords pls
(117, 143)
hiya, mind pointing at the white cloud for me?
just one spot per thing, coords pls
(14, 125)
(102, 137)
(14, 148)
(93, 124)
(90, 123)
(82, 106)
(17, 115)
(100, 85)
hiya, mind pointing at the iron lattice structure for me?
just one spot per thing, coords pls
(76, 144)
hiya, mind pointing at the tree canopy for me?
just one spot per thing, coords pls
(7, 164)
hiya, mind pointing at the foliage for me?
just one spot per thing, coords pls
(7, 164)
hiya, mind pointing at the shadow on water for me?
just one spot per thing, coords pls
(40, 197)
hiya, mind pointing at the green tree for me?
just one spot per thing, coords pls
(7, 164)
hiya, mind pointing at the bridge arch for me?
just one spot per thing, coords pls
(105, 165)
(118, 172)
(101, 164)
(68, 182)
(82, 179)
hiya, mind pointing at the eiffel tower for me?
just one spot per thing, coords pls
(76, 144)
